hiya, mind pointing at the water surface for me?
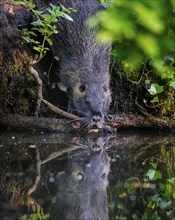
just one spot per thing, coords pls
(63, 176)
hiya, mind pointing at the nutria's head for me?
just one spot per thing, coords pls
(86, 79)
(92, 98)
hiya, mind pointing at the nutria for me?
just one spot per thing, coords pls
(84, 63)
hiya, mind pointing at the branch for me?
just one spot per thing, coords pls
(60, 111)
(35, 74)
(138, 121)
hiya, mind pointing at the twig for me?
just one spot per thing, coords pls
(35, 74)
(145, 73)
(60, 111)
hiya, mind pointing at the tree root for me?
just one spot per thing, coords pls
(35, 74)
(60, 111)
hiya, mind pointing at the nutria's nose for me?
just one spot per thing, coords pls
(96, 119)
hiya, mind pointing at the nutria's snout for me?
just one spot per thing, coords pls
(97, 120)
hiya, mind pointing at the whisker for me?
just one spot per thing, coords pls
(82, 114)
(86, 122)
(74, 120)
(105, 129)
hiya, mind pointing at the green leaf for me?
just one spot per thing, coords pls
(45, 25)
(148, 17)
(38, 13)
(163, 205)
(145, 101)
(148, 44)
(18, 2)
(155, 99)
(29, 4)
(154, 174)
(66, 16)
(151, 205)
(155, 89)
(173, 195)
(37, 49)
(168, 190)
(38, 23)
(50, 42)
(171, 180)
(120, 206)
(172, 83)
(154, 165)
(162, 187)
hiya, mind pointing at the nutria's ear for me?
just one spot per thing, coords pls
(62, 87)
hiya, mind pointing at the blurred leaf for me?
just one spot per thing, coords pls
(165, 204)
(172, 83)
(162, 186)
(151, 205)
(148, 16)
(38, 23)
(172, 180)
(154, 174)
(168, 190)
(122, 195)
(155, 99)
(66, 16)
(38, 13)
(154, 165)
(121, 206)
(148, 44)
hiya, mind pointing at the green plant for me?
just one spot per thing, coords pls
(34, 216)
(143, 30)
(15, 68)
(150, 194)
(163, 199)
(45, 25)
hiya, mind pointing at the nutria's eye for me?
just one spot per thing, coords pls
(82, 87)
(104, 176)
(105, 87)
(80, 176)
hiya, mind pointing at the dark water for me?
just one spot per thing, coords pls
(65, 177)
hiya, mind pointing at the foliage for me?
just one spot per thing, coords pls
(34, 216)
(45, 25)
(143, 36)
(163, 199)
(153, 194)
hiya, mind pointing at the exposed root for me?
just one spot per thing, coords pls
(60, 111)
(35, 74)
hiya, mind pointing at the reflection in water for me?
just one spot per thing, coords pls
(67, 176)
(82, 187)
